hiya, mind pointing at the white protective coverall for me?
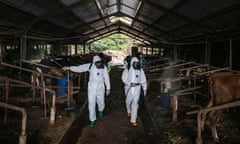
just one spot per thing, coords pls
(126, 87)
(124, 73)
(96, 88)
(133, 93)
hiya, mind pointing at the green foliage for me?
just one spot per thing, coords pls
(113, 42)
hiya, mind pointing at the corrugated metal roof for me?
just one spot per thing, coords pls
(150, 20)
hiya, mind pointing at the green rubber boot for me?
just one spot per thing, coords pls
(100, 114)
(92, 123)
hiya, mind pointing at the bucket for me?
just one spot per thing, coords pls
(165, 100)
(62, 83)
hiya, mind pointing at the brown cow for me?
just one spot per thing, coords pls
(224, 87)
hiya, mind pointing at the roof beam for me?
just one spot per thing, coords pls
(104, 32)
(134, 36)
(160, 30)
(157, 6)
(56, 12)
(103, 36)
(150, 38)
(102, 29)
(101, 16)
(100, 37)
(89, 23)
(171, 11)
(118, 5)
(138, 9)
(210, 16)
(139, 31)
(14, 5)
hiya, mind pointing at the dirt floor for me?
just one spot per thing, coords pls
(155, 122)
(39, 130)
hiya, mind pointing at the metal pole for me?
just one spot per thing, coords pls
(230, 53)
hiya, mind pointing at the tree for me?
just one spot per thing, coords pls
(113, 42)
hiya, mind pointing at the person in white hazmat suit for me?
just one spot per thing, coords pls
(98, 82)
(125, 72)
(134, 79)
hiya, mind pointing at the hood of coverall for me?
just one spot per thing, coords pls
(133, 60)
(96, 58)
(98, 62)
(133, 72)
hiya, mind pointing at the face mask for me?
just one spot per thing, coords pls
(99, 64)
(136, 65)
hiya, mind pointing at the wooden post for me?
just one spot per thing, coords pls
(199, 130)
(53, 108)
(195, 84)
(174, 108)
(71, 92)
(34, 86)
(6, 99)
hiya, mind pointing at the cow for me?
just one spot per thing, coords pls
(224, 88)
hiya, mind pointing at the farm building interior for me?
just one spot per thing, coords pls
(187, 45)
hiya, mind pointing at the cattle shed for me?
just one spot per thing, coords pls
(185, 43)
